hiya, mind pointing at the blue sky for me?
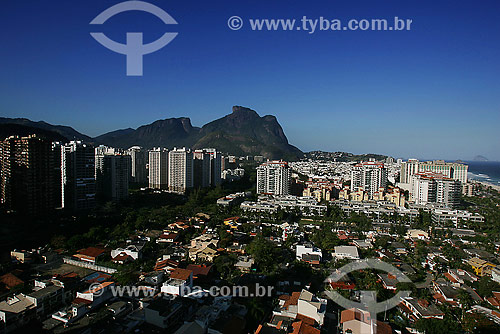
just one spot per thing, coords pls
(430, 92)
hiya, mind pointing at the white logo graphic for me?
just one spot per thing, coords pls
(368, 300)
(134, 49)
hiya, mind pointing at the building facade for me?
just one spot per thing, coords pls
(273, 177)
(27, 175)
(78, 176)
(368, 176)
(180, 170)
(158, 168)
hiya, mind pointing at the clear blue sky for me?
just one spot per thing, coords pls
(430, 92)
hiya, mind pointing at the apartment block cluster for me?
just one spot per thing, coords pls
(433, 181)
(179, 169)
(38, 175)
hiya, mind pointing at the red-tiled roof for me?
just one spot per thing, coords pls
(179, 273)
(451, 278)
(293, 300)
(301, 327)
(10, 280)
(122, 257)
(92, 251)
(198, 269)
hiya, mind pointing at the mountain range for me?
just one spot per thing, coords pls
(243, 132)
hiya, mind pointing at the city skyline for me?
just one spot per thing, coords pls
(431, 91)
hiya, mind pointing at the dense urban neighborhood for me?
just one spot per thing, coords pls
(100, 239)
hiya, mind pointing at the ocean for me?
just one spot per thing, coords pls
(486, 171)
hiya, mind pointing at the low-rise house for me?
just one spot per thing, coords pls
(415, 234)
(302, 305)
(495, 274)
(201, 272)
(399, 248)
(346, 252)
(481, 267)
(416, 309)
(389, 281)
(90, 254)
(244, 264)
(494, 300)
(308, 253)
(205, 254)
(458, 277)
(133, 251)
(167, 237)
(166, 265)
(356, 321)
(179, 282)
(362, 244)
(96, 295)
(445, 293)
(232, 222)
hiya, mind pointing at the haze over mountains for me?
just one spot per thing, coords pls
(243, 132)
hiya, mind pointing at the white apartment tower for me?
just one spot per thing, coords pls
(273, 177)
(180, 169)
(158, 168)
(369, 176)
(429, 187)
(453, 170)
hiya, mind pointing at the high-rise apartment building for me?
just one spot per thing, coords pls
(273, 177)
(158, 168)
(453, 170)
(139, 173)
(78, 176)
(215, 166)
(112, 173)
(27, 175)
(201, 168)
(368, 176)
(180, 169)
(429, 187)
(408, 169)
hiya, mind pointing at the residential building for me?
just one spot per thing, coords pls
(180, 170)
(27, 175)
(215, 166)
(481, 267)
(201, 168)
(158, 168)
(369, 176)
(273, 177)
(454, 170)
(179, 282)
(78, 176)
(112, 173)
(428, 187)
(416, 309)
(139, 162)
(308, 253)
(346, 252)
(357, 321)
